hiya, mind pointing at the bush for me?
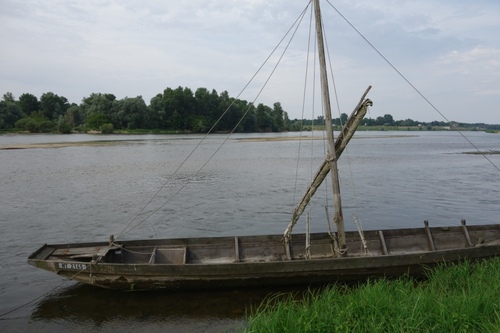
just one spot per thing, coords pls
(21, 123)
(46, 126)
(32, 126)
(64, 128)
(36, 125)
(106, 128)
(97, 120)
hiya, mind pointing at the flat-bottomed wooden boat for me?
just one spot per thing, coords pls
(222, 262)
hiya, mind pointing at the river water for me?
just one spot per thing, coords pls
(86, 192)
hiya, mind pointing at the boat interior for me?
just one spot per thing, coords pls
(271, 248)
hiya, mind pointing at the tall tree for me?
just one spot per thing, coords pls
(131, 113)
(181, 102)
(8, 97)
(157, 109)
(207, 109)
(9, 113)
(98, 103)
(72, 118)
(343, 118)
(53, 106)
(264, 118)
(29, 104)
(278, 117)
(388, 119)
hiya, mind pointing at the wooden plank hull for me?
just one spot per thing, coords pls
(224, 262)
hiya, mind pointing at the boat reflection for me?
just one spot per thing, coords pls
(86, 306)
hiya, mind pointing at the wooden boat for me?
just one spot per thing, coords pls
(221, 262)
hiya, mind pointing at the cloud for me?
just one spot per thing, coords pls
(130, 48)
(479, 59)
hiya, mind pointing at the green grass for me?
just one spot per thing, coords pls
(460, 298)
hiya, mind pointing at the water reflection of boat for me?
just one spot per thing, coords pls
(222, 262)
(83, 305)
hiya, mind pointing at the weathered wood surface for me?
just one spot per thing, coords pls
(342, 140)
(223, 262)
(331, 155)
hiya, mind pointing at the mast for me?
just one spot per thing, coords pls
(340, 144)
(331, 157)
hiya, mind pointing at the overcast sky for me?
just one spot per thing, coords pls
(448, 49)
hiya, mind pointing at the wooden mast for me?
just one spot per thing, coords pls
(332, 158)
(340, 143)
(330, 162)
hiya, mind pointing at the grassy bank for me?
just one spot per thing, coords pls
(462, 298)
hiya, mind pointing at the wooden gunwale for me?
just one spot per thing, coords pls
(268, 273)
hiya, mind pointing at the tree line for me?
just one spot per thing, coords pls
(176, 110)
(388, 120)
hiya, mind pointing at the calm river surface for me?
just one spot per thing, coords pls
(77, 193)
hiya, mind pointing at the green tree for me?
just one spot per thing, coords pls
(278, 117)
(35, 123)
(46, 126)
(158, 111)
(224, 104)
(264, 118)
(207, 105)
(380, 121)
(74, 115)
(131, 113)
(186, 106)
(320, 120)
(343, 118)
(232, 120)
(407, 122)
(8, 97)
(32, 126)
(71, 119)
(389, 120)
(10, 113)
(96, 120)
(249, 124)
(63, 126)
(369, 122)
(175, 121)
(98, 103)
(29, 103)
(53, 106)
(180, 106)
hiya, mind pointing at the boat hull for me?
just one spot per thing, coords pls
(227, 262)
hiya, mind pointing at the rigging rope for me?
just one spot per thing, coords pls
(411, 85)
(52, 290)
(308, 237)
(303, 112)
(313, 109)
(130, 225)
